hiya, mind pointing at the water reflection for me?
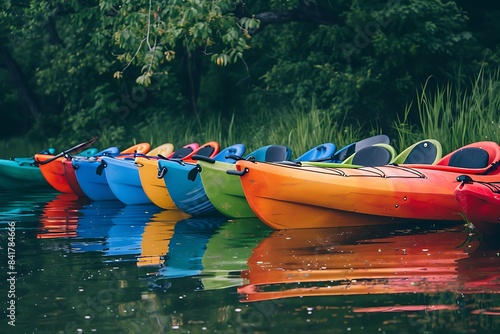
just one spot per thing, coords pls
(228, 251)
(23, 207)
(59, 217)
(104, 267)
(94, 223)
(360, 261)
(157, 236)
(125, 235)
(188, 245)
(211, 250)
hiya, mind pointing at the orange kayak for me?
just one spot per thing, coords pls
(299, 196)
(53, 170)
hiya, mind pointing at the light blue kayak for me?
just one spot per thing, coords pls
(124, 181)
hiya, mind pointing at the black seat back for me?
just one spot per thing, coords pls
(372, 156)
(470, 157)
(181, 152)
(423, 153)
(206, 151)
(276, 153)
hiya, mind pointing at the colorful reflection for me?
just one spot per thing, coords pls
(94, 224)
(59, 217)
(187, 246)
(368, 260)
(228, 250)
(157, 235)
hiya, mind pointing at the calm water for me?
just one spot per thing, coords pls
(79, 266)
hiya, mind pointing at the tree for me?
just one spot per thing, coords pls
(362, 59)
(108, 66)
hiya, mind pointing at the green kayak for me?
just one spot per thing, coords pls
(224, 191)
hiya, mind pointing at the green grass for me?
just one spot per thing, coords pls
(454, 115)
(298, 129)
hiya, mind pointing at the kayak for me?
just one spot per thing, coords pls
(91, 174)
(480, 203)
(183, 184)
(428, 152)
(224, 191)
(303, 196)
(22, 172)
(226, 194)
(123, 179)
(51, 165)
(155, 187)
(348, 150)
(70, 173)
(53, 171)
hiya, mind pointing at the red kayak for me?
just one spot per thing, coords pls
(480, 203)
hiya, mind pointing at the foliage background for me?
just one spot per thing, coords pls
(139, 70)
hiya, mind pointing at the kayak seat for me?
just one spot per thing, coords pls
(347, 151)
(181, 152)
(206, 151)
(470, 157)
(426, 152)
(376, 155)
(227, 154)
(277, 153)
(319, 153)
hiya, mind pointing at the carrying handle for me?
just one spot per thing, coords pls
(237, 172)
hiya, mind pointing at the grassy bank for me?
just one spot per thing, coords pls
(453, 114)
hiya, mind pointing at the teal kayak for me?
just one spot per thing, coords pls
(22, 172)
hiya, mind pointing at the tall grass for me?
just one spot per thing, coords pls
(298, 129)
(456, 115)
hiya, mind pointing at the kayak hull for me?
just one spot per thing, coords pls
(188, 195)
(93, 184)
(16, 174)
(53, 172)
(480, 204)
(123, 179)
(223, 190)
(52, 169)
(154, 187)
(285, 196)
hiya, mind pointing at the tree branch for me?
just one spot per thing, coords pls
(307, 11)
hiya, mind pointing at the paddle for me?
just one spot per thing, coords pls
(76, 148)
